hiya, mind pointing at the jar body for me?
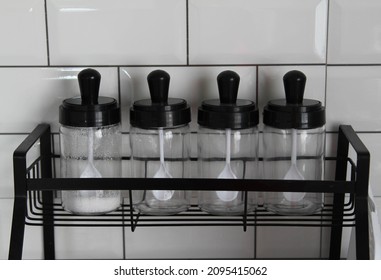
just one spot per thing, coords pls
(82, 150)
(310, 145)
(213, 145)
(146, 163)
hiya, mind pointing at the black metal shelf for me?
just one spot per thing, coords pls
(35, 204)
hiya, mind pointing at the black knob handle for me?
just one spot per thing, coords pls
(89, 81)
(294, 84)
(228, 83)
(158, 83)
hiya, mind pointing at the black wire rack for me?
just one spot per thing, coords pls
(35, 203)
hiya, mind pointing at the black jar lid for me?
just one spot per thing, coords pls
(294, 111)
(159, 111)
(228, 111)
(90, 109)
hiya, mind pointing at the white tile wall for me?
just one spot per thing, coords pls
(23, 33)
(6, 206)
(8, 144)
(260, 32)
(353, 97)
(82, 243)
(36, 94)
(190, 243)
(288, 243)
(377, 200)
(354, 32)
(101, 32)
(45, 43)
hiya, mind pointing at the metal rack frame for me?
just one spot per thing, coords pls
(35, 186)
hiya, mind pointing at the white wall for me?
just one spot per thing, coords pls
(44, 44)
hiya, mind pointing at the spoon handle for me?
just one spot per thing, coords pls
(228, 133)
(161, 145)
(294, 148)
(90, 146)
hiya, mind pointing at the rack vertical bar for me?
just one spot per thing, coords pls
(361, 197)
(20, 182)
(338, 198)
(19, 207)
(47, 196)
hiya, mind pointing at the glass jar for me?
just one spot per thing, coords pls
(227, 146)
(294, 145)
(160, 146)
(90, 144)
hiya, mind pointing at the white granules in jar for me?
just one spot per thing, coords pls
(91, 202)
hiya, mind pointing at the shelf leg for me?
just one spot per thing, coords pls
(48, 225)
(47, 196)
(361, 187)
(337, 227)
(338, 198)
(18, 229)
(361, 204)
(362, 234)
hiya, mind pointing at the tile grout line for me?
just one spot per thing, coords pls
(190, 65)
(119, 86)
(47, 33)
(321, 247)
(187, 29)
(327, 34)
(257, 85)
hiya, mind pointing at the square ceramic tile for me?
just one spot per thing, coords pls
(117, 32)
(377, 201)
(33, 95)
(330, 151)
(194, 84)
(6, 210)
(375, 228)
(33, 243)
(353, 97)
(8, 144)
(260, 32)
(288, 242)
(270, 84)
(354, 32)
(331, 144)
(89, 243)
(23, 33)
(190, 243)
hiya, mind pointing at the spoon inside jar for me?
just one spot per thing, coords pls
(162, 172)
(293, 172)
(227, 172)
(90, 171)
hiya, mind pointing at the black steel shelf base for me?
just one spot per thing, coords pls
(35, 205)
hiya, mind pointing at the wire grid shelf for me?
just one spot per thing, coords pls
(37, 205)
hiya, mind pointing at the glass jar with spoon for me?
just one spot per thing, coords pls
(227, 141)
(160, 146)
(294, 143)
(90, 144)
